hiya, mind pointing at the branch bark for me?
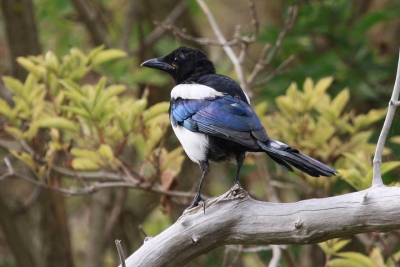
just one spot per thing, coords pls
(89, 13)
(235, 218)
(21, 31)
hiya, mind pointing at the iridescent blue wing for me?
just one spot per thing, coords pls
(226, 117)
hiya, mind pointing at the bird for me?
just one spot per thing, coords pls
(212, 118)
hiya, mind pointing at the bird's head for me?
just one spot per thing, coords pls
(183, 64)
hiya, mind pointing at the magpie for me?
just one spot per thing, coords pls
(213, 120)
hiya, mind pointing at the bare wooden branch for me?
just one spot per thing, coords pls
(159, 31)
(228, 49)
(90, 14)
(120, 252)
(393, 103)
(235, 218)
(203, 41)
(117, 181)
(277, 71)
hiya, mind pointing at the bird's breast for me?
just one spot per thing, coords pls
(195, 144)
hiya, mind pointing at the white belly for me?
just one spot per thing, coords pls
(194, 144)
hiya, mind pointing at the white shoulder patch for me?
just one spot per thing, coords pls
(248, 99)
(194, 91)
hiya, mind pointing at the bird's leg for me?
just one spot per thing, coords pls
(205, 168)
(239, 159)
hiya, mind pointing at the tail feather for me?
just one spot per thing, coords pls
(285, 155)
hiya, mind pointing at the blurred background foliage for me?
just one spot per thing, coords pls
(78, 112)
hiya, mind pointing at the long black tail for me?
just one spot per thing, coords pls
(284, 154)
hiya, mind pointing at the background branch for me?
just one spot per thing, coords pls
(393, 104)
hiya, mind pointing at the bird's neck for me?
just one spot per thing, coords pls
(193, 75)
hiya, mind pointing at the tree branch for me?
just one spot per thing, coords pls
(393, 104)
(228, 49)
(235, 218)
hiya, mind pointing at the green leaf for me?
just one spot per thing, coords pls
(376, 256)
(51, 61)
(308, 85)
(87, 153)
(105, 97)
(84, 164)
(340, 244)
(340, 102)
(14, 85)
(395, 139)
(344, 263)
(261, 108)
(107, 55)
(99, 87)
(385, 168)
(14, 131)
(123, 124)
(25, 158)
(155, 110)
(373, 115)
(358, 161)
(57, 122)
(106, 152)
(5, 109)
(367, 21)
(71, 86)
(170, 157)
(30, 66)
(78, 111)
(323, 84)
(354, 178)
(95, 51)
(357, 258)
(77, 73)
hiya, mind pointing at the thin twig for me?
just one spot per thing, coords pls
(120, 252)
(203, 41)
(128, 25)
(159, 31)
(237, 257)
(254, 21)
(288, 25)
(386, 249)
(276, 256)
(377, 162)
(277, 71)
(157, 188)
(228, 49)
(31, 200)
(88, 175)
(142, 230)
(114, 215)
(262, 63)
(251, 249)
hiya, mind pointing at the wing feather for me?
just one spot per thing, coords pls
(226, 117)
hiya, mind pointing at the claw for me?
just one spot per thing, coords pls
(197, 201)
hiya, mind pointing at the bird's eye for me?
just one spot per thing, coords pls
(178, 59)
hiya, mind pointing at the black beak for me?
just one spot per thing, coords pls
(157, 63)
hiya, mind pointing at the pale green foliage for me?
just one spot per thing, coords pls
(318, 126)
(352, 259)
(92, 124)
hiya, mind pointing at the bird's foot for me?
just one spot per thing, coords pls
(197, 201)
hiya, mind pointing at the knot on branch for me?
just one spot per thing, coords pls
(236, 192)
